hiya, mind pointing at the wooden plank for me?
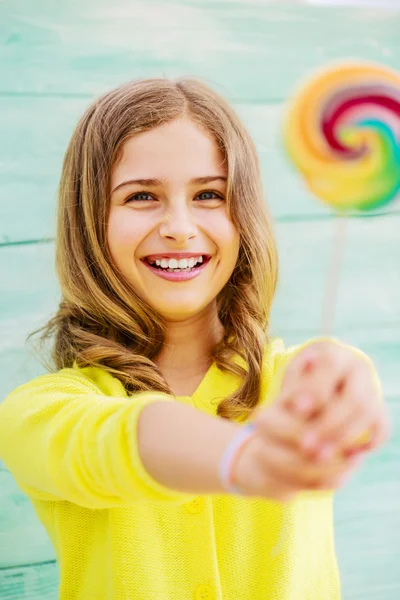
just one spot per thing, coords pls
(35, 136)
(370, 278)
(369, 290)
(367, 521)
(31, 582)
(23, 540)
(29, 297)
(367, 510)
(251, 50)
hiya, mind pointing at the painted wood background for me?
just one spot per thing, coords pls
(54, 58)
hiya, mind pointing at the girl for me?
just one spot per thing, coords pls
(168, 402)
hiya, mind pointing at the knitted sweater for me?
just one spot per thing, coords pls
(69, 439)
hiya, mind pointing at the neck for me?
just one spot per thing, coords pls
(189, 344)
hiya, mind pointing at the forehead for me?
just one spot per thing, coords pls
(180, 149)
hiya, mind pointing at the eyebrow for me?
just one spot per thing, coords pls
(160, 182)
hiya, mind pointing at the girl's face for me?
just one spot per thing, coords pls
(169, 231)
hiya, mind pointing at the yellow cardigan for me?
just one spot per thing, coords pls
(69, 440)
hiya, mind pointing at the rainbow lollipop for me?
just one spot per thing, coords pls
(342, 131)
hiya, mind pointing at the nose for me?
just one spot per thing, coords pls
(178, 225)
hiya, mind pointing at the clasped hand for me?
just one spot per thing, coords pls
(327, 417)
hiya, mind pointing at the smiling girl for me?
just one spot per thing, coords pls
(176, 452)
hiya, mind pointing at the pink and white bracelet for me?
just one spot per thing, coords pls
(230, 458)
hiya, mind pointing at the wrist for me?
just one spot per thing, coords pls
(233, 453)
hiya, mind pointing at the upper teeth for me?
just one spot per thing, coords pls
(182, 263)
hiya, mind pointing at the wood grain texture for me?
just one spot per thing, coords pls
(54, 59)
(250, 50)
(29, 582)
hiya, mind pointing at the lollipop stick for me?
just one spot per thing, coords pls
(332, 284)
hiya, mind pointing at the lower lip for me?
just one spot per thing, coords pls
(182, 276)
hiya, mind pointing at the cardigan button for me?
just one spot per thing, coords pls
(204, 592)
(195, 506)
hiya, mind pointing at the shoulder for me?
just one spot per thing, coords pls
(275, 354)
(275, 359)
(73, 380)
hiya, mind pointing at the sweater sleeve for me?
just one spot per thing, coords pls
(63, 439)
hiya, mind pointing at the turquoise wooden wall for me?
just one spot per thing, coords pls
(54, 58)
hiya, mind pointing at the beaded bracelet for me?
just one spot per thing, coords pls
(230, 458)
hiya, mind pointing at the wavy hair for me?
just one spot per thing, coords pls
(100, 320)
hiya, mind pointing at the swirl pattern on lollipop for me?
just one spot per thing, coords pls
(342, 131)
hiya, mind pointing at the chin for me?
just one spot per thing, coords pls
(179, 312)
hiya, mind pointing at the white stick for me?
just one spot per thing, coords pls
(332, 284)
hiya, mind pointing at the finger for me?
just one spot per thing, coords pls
(282, 466)
(340, 479)
(349, 411)
(325, 434)
(281, 425)
(357, 432)
(380, 431)
(303, 362)
(294, 470)
(332, 422)
(323, 380)
(284, 425)
(360, 392)
(303, 405)
(316, 354)
(349, 417)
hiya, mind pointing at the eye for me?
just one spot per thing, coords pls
(140, 197)
(209, 195)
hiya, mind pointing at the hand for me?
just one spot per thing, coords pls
(311, 437)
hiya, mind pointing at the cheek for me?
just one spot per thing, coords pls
(124, 233)
(226, 236)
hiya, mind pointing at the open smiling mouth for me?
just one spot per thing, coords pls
(177, 269)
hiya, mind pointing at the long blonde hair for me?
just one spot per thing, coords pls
(100, 320)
